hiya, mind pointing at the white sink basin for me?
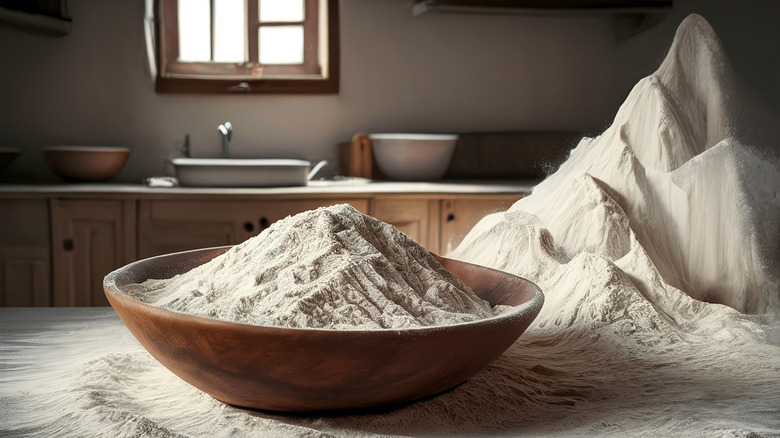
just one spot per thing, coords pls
(241, 172)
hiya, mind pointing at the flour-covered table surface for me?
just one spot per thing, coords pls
(79, 372)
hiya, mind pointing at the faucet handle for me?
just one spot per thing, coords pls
(226, 129)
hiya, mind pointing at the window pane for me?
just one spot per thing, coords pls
(281, 45)
(229, 25)
(280, 10)
(194, 30)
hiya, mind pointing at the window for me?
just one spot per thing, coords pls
(247, 46)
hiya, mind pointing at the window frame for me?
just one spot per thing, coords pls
(318, 75)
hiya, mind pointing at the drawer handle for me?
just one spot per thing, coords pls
(450, 217)
(249, 227)
(67, 244)
(263, 223)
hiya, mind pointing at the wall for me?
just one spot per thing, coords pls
(437, 73)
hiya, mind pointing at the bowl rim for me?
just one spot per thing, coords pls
(412, 136)
(234, 162)
(521, 311)
(77, 148)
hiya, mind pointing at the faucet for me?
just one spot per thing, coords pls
(226, 129)
(185, 149)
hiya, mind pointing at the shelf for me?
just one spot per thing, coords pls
(35, 23)
(631, 16)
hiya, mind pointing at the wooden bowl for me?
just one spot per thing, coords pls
(85, 163)
(301, 369)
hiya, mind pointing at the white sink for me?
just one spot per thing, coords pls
(241, 172)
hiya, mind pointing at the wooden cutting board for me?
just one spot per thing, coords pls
(360, 158)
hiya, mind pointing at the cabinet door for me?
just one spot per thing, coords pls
(24, 277)
(171, 226)
(89, 240)
(24, 253)
(417, 217)
(459, 215)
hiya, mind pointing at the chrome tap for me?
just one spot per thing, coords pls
(185, 149)
(226, 130)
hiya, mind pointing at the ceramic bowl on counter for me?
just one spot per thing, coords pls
(85, 163)
(413, 157)
(308, 369)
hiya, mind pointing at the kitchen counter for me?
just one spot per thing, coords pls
(320, 188)
(74, 372)
(80, 372)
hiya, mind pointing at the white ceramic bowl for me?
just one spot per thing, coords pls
(85, 163)
(413, 157)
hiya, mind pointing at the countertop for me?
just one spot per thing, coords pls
(80, 372)
(352, 186)
(74, 372)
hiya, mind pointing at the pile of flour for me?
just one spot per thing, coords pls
(331, 268)
(670, 196)
(657, 245)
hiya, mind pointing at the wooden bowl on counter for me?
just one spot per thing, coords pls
(85, 163)
(301, 369)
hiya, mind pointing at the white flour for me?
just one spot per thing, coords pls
(333, 268)
(668, 181)
(669, 203)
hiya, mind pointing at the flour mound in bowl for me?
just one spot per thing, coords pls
(329, 268)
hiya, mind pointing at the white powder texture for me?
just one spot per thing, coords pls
(669, 207)
(672, 173)
(329, 268)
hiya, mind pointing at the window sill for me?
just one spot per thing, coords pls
(310, 84)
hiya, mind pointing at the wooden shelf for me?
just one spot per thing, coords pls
(35, 23)
(631, 16)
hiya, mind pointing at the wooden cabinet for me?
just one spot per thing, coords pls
(56, 247)
(90, 238)
(417, 217)
(25, 278)
(459, 215)
(166, 226)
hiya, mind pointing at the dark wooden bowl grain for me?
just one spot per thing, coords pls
(300, 369)
(85, 163)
